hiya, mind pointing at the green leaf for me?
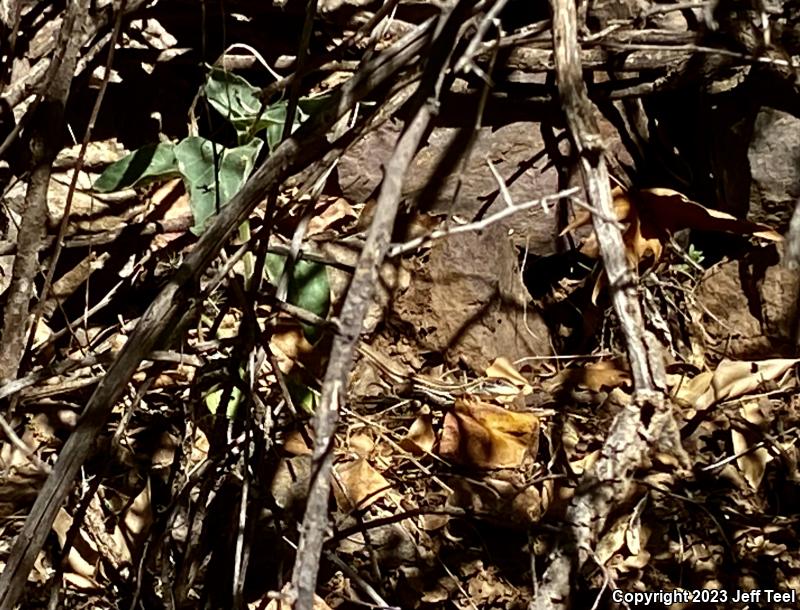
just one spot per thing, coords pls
(240, 103)
(214, 397)
(195, 158)
(302, 395)
(308, 287)
(147, 164)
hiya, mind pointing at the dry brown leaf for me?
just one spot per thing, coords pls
(516, 385)
(739, 378)
(137, 521)
(83, 556)
(595, 376)
(502, 368)
(731, 379)
(488, 436)
(295, 443)
(613, 540)
(358, 485)
(283, 604)
(361, 444)
(751, 462)
(329, 214)
(421, 436)
(673, 211)
(295, 354)
(687, 392)
(585, 463)
(652, 215)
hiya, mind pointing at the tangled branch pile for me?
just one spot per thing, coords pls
(308, 315)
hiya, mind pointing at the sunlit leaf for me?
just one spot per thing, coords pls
(488, 436)
(147, 164)
(358, 485)
(197, 159)
(308, 286)
(239, 102)
(651, 216)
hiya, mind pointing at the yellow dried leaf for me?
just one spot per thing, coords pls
(695, 392)
(594, 376)
(361, 444)
(502, 368)
(651, 216)
(328, 214)
(612, 541)
(737, 378)
(731, 379)
(751, 463)
(295, 444)
(281, 604)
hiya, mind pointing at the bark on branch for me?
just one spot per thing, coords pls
(626, 444)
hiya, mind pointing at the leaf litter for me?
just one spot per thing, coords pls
(454, 465)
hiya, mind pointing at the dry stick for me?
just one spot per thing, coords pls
(478, 225)
(315, 63)
(47, 124)
(291, 109)
(62, 229)
(241, 555)
(155, 326)
(625, 445)
(359, 296)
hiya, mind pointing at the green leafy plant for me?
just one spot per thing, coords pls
(308, 287)
(693, 258)
(212, 175)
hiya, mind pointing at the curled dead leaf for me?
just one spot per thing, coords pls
(752, 462)
(651, 216)
(421, 436)
(731, 379)
(480, 434)
(604, 374)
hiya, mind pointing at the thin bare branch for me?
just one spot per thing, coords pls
(359, 296)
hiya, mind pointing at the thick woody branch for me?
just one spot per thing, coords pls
(47, 122)
(625, 445)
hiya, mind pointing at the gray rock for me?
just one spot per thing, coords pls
(774, 156)
(513, 150)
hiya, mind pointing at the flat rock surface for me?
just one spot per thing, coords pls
(514, 150)
(774, 156)
(467, 302)
(749, 306)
